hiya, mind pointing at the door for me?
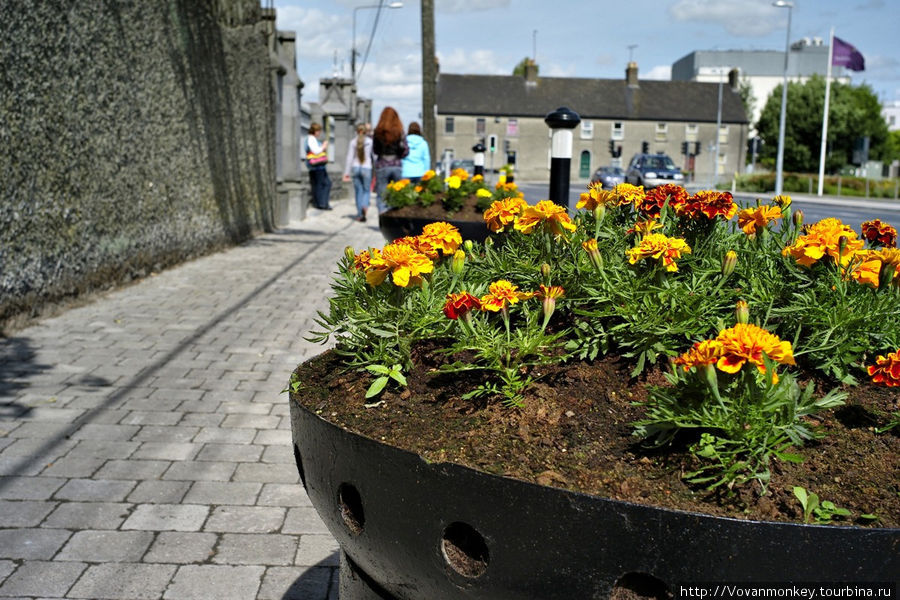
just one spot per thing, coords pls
(584, 169)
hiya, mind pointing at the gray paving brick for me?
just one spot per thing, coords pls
(200, 471)
(317, 550)
(202, 419)
(290, 495)
(267, 473)
(167, 450)
(123, 580)
(218, 435)
(198, 405)
(24, 513)
(273, 437)
(159, 492)
(103, 449)
(251, 421)
(245, 408)
(42, 579)
(95, 489)
(18, 466)
(181, 547)
(31, 543)
(246, 519)
(146, 417)
(88, 515)
(279, 454)
(223, 492)
(48, 414)
(256, 549)
(106, 546)
(31, 447)
(154, 403)
(167, 517)
(133, 469)
(6, 567)
(230, 452)
(29, 488)
(303, 520)
(73, 467)
(166, 433)
(113, 433)
(296, 583)
(214, 582)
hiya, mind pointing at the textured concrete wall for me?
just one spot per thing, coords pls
(133, 135)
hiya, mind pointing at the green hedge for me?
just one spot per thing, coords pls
(800, 183)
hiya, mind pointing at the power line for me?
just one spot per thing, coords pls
(371, 37)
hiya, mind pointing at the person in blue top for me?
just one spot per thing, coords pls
(419, 158)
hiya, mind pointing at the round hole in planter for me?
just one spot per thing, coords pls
(465, 550)
(299, 461)
(350, 503)
(640, 586)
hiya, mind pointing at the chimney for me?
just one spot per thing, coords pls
(531, 73)
(734, 79)
(631, 75)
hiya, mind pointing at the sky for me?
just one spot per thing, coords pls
(576, 38)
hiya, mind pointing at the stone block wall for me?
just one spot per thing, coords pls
(133, 135)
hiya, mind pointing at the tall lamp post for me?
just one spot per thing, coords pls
(779, 162)
(353, 52)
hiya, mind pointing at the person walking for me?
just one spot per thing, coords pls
(418, 161)
(359, 169)
(317, 161)
(389, 147)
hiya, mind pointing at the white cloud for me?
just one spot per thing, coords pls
(482, 62)
(316, 39)
(557, 70)
(465, 6)
(659, 72)
(743, 18)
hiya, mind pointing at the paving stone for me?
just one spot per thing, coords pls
(6, 567)
(156, 403)
(296, 583)
(256, 549)
(146, 417)
(20, 466)
(47, 415)
(279, 454)
(29, 488)
(214, 582)
(200, 471)
(159, 492)
(123, 580)
(267, 473)
(245, 408)
(181, 547)
(39, 578)
(218, 435)
(167, 450)
(203, 419)
(166, 433)
(34, 446)
(112, 433)
(73, 467)
(103, 449)
(106, 546)
(230, 452)
(274, 437)
(205, 405)
(133, 469)
(31, 543)
(88, 515)
(317, 550)
(246, 519)
(251, 421)
(94, 489)
(303, 520)
(167, 517)
(223, 492)
(24, 513)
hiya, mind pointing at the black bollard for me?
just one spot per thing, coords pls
(479, 149)
(562, 121)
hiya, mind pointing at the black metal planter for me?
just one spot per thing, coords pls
(394, 227)
(414, 530)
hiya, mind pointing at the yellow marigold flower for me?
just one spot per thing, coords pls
(453, 182)
(483, 193)
(752, 219)
(398, 185)
(405, 264)
(548, 294)
(501, 294)
(590, 246)
(625, 193)
(362, 261)
(503, 213)
(429, 174)
(782, 201)
(702, 353)
(745, 343)
(659, 247)
(477, 178)
(645, 227)
(824, 238)
(420, 244)
(729, 263)
(549, 215)
(886, 370)
(443, 236)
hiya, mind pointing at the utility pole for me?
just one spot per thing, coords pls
(429, 77)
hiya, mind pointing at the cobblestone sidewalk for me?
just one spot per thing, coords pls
(145, 447)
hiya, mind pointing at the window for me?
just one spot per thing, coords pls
(662, 129)
(512, 128)
(449, 126)
(722, 164)
(587, 130)
(691, 133)
(723, 134)
(618, 131)
(480, 126)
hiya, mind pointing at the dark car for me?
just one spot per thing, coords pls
(610, 177)
(652, 170)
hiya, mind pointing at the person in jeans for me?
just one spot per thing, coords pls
(418, 161)
(359, 169)
(389, 147)
(318, 175)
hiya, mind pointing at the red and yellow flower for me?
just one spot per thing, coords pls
(549, 215)
(824, 239)
(442, 236)
(405, 264)
(659, 247)
(701, 354)
(459, 305)
(751, 220)
(746, 343)
(625, 193)
(420, 244)
(651, 204)
(503, 213)
(645, 227)
(709, 204)
(502, 294)
(886, 370)
(879, 233)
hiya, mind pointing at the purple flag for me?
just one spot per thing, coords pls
(846, 55)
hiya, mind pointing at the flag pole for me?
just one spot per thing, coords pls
(825, 114)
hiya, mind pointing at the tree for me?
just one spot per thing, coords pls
(747, 98)
(855, 112)
(520, 68)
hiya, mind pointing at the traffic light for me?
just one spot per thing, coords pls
(612, 148)
(684, 147)
(645, 147)
(506, 145)
(492, 143)
(618, 151)
(696, 148)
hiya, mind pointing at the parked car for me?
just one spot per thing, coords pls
(652, 170)
(610, 177)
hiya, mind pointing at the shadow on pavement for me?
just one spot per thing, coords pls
(317, 582)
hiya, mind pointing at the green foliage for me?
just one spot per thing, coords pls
(822, 512)
(845, 185)
(385, 374)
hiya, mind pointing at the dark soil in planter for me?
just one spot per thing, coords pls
(435, 211)
(574, 433)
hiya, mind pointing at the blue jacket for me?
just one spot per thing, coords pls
(419, 159)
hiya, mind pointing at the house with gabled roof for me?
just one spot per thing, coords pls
(619, 118)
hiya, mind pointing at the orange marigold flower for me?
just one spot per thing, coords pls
(645, 227)
(551, 216)
(550, 291)
(824, 238)
(405, 264)
(709, 204)
(782, 201)
(590, 246)
(651, 204)
(461, 173)
(625, 193)
(362, 261)
(503, 213)
(865, 267)
(501, 294)
(396, 186)
(886, 370)
(421, 244)
(879, 233)
(477, 178)
(659, 247)
(458, 305)
(443, 236)
(428, 175)
(702, 353)
(750, 220)
(745, 343)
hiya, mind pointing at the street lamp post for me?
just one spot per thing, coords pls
(779, 162)
(353, 40)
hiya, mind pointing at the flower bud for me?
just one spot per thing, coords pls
(798, 218)
(729, 263)
(886, 275)
(468, 245)
(489, 242)
(782, 201)
(842, 246)
(742, 312)
(545, 272)
(593, 253)
(349, 253)
(458, 262)
(599, 212)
